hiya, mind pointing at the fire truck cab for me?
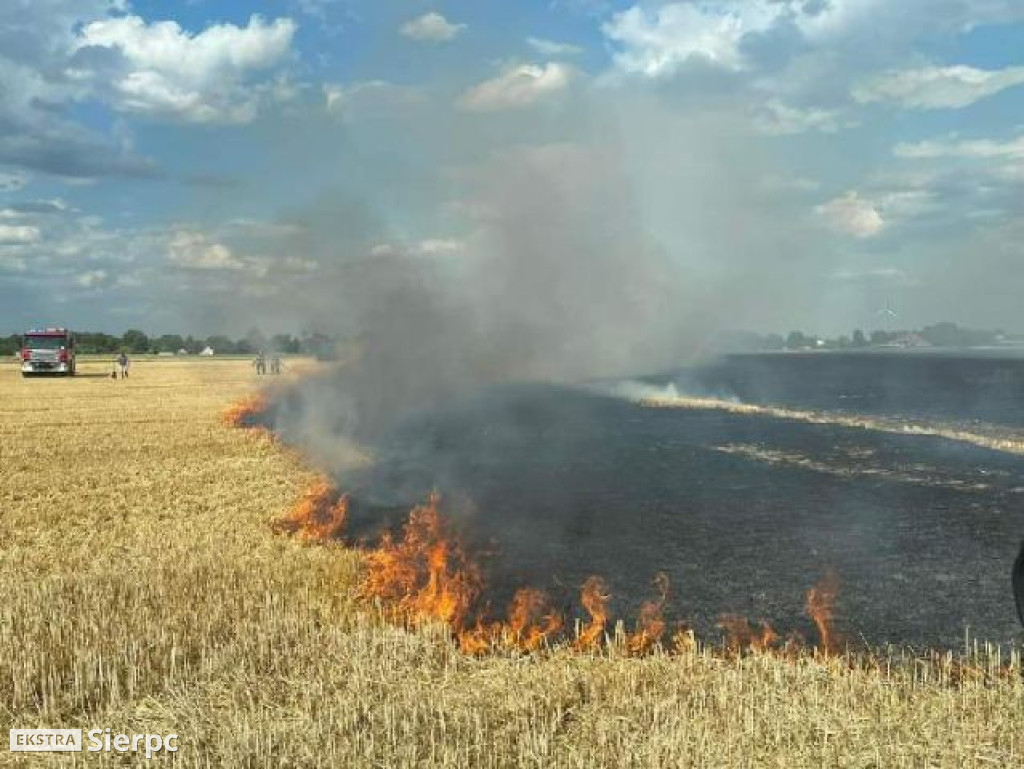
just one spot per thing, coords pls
(48, 351)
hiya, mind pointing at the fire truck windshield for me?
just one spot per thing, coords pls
(45, 342)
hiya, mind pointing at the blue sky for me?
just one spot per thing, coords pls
(206, 167)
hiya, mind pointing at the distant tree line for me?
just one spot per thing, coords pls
(936, 335)
(136, 342)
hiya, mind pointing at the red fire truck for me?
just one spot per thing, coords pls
(48, 351)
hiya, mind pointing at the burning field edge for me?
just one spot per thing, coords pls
(423, 577)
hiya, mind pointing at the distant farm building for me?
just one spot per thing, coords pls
(207, 351)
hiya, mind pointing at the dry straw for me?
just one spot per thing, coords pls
(141, 588)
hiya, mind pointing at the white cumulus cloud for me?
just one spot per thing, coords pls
(657, 42)
(18, 235)
(517, 87)
(431, 28)
(852, 215)
(194, 251)
(165, 71)
(656, 39)
(937, 87)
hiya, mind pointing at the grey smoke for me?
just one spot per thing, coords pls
(561, 285)
(596, 241)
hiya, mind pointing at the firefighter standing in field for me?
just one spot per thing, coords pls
(123, 363)
(260, 363)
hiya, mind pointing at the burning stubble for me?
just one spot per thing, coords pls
(548, 486)
(426, 575)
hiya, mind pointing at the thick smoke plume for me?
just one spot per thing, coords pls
(558, 283)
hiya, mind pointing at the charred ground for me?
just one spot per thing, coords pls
(550, 485)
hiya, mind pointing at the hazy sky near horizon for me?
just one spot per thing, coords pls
(204, 167)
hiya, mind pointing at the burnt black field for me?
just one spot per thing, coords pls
(743, 512)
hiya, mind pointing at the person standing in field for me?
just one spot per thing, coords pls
(123, 363)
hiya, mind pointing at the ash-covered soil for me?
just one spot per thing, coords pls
(744, 513)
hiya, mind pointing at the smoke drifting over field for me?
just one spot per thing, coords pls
(574, 265)
(560, 283)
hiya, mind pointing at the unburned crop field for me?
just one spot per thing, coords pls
(142, 588)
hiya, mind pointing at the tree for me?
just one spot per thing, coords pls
(951, 335)
(135, 341)
(285, 343)
(796, 340)
(169, 343)
(859, 340)
(254, 340)
(97, 343)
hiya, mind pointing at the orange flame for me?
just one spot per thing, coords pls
(245, 411)
(652, 622)
(530, 626)
(821, 601)
(531, 623)
(479, 639)
(318, 516)
(595, 600)
(426, 575)
(741, 634)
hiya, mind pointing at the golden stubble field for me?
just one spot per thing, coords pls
(141, 589)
